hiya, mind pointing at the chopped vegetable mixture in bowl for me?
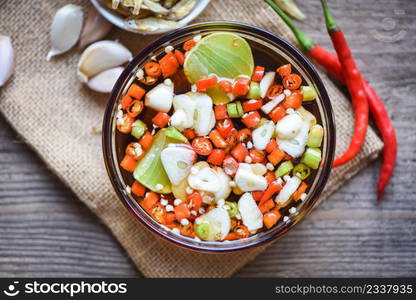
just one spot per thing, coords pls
(219, 136)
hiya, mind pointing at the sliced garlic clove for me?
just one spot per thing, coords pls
(101, 56)
(96, 27)
(65, 30)
(104, 82)
(6, 59)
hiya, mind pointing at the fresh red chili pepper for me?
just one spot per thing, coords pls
(355, 87)
(251, 119)
(388, 135)
(225, 127)
(284, 70)
(331, 63)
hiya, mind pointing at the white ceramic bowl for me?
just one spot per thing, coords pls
(119, 20)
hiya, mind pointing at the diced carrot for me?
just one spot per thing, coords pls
(126, 101)
(194, 200)
(189, 133)
(220, 111)
(271, 146)
(251, 119)
(232, 236)
(205, 83)
(277, 113)
(161, 119)
(252, 105)
(150, 201)
(272, 189)
(179, 57)
(258, 74)
(276, 156)
(257, 195)
(169, 218)
(182, 212)
(270, 177)
(138, 189)
(239, 152)
(271, 218)
(266, 205)
(217, 139)
(226, 86)
(188, 45)
(169, 64)
(301, 189)
(146, 140)
(128, 163)
(241, 86)
(216, 157)
(136, 91)
(294, 100)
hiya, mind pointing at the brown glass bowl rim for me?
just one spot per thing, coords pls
(249, 29)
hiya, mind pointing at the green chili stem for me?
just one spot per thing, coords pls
(331, 25)
(306, 42)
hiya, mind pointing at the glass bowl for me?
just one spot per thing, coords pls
(277, 49)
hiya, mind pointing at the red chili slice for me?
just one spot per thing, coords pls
(202, 146)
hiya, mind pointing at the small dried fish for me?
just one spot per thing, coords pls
(135, 4)
(104, 82)
(152, 24)
(96, 27)
(101, 56)
(155, 7)
(181, 9)
(115, 4)
(291, 8)
(169, 3)
(6, 59)
(65, 30)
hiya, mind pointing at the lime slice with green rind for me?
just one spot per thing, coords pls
(224, 54)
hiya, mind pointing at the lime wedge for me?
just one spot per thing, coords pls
(222, 53)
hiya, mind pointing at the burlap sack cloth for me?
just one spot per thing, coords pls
(54, 113)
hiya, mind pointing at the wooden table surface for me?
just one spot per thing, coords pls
(46, 231)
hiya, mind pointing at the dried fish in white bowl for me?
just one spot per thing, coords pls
(150, 16)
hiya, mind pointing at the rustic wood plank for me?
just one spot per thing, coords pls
(46, 231)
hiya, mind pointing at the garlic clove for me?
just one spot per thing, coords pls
(104, 82)
(65, 30)
(95, 28)
(101, 56)
(6, 59)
